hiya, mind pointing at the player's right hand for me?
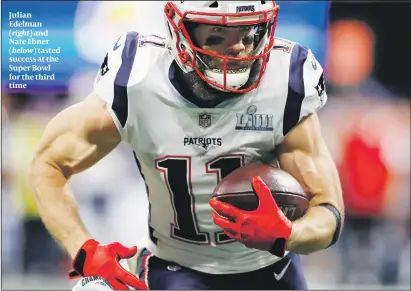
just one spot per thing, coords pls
(95, 259)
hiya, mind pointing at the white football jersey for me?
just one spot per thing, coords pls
(183, 151)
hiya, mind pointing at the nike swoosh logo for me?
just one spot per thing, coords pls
(279, 276)
(117, 45)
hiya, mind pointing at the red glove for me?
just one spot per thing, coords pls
(266, 228)
(95, 259)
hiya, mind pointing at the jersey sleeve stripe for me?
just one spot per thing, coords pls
(296, 91)
(120, 100)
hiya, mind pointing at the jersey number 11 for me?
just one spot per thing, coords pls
(177, 176)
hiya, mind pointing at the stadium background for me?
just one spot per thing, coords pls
(366, 125)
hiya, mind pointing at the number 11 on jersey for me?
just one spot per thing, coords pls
(177, 176)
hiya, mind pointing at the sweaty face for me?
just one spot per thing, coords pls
(234, 41)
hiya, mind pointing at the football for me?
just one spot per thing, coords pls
(236, 189)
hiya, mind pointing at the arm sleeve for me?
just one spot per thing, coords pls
(111, 82)
(306, 89)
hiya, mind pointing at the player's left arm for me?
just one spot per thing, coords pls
(305, 156)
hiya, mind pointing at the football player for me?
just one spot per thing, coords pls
(218, 92)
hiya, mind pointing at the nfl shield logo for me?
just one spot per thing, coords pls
(204, 120)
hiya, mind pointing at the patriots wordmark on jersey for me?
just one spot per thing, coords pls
(183, 151)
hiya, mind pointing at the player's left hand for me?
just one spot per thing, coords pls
(266, 228)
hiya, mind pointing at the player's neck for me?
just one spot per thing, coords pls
(195, 90)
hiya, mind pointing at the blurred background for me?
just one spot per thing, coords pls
(365, 53)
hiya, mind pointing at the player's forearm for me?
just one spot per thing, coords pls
(57, 206)
(313, 232)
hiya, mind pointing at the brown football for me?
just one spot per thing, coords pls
(236, 189)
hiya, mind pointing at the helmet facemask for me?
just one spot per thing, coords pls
(212, 61)
(224, 55)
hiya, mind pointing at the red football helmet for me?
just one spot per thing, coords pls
(261, 15)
